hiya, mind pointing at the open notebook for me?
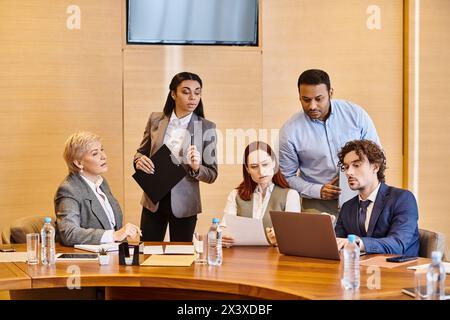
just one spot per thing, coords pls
(96, 247)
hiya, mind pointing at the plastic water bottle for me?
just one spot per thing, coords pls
(48, 243)
(350, 280)
(215, 244)
(436, 277)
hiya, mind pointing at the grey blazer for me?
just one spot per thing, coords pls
(185, 196)
(80, 217)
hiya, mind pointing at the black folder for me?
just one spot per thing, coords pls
(168, 172)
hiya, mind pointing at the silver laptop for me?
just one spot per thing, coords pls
(305, 234)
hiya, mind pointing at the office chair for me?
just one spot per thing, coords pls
(17, 230)
(430, 241)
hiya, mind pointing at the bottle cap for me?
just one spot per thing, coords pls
(351, 238)
(48, 220)
(215, 220)
(436, 256)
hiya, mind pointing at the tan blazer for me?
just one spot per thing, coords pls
(185, 196)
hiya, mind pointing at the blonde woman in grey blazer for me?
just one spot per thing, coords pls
(192, 139)
(86, 210)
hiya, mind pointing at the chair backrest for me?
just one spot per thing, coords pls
(16, 232)
(431, 241)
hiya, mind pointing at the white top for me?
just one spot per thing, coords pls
(175, 133)
(260, 203)
(107, 236)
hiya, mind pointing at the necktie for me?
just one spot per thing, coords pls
(362, 216)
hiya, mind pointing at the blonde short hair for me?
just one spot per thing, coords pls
(76, 147)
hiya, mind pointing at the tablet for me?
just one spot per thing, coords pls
(76, 256)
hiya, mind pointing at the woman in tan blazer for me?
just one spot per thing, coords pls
(182, 127)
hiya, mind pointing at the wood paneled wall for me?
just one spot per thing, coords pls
(365, 65)
(55, 81)
(434, 116)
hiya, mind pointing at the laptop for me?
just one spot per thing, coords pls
(305, 234)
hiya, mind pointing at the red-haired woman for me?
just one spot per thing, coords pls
(264, 188)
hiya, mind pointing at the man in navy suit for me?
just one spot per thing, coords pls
(384, 218)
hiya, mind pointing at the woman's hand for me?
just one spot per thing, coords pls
(227, 240)
(271, 235)
(129, 230)
(193, 158)
(145, 164)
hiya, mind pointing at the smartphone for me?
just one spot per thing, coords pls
(400, 258)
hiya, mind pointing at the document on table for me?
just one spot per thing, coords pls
(170, 249)
(380, 261)
(13, 257)
(179, 249)
(172, 260)
(425, 266)
(153, 250)
(96, 247)
(246, 231)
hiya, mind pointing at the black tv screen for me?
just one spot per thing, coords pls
(213, 22)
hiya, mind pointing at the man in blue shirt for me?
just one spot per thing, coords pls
(311, 140)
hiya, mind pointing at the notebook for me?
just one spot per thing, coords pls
(168, 172)
(96, 247)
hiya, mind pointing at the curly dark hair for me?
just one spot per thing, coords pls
(368, 148)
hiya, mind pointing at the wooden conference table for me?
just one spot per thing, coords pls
(246, 272)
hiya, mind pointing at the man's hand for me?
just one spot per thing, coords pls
(329, 191)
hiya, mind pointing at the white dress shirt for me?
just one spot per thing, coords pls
(107, 236)
(175, 133)
(372, 197)
(260, 203)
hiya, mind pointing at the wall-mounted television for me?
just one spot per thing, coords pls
(203, 22)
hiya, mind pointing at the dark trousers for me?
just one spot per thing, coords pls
(154, 224)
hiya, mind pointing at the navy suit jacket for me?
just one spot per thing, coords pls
(393, 224)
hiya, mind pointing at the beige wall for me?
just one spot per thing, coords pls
(365, 65)
(434, 116)
(54, 81)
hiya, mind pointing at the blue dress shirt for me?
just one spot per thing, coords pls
(311, 146)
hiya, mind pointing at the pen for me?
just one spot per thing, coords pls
(192, 139)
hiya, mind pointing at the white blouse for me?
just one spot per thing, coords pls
(260, 203)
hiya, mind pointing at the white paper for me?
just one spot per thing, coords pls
(425, 266)
(346, 192)
(179, 249)
(13, 257)
(246, 231)
(96, 247)
(153, 250)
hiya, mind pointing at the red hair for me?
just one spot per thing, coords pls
(248, 186)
